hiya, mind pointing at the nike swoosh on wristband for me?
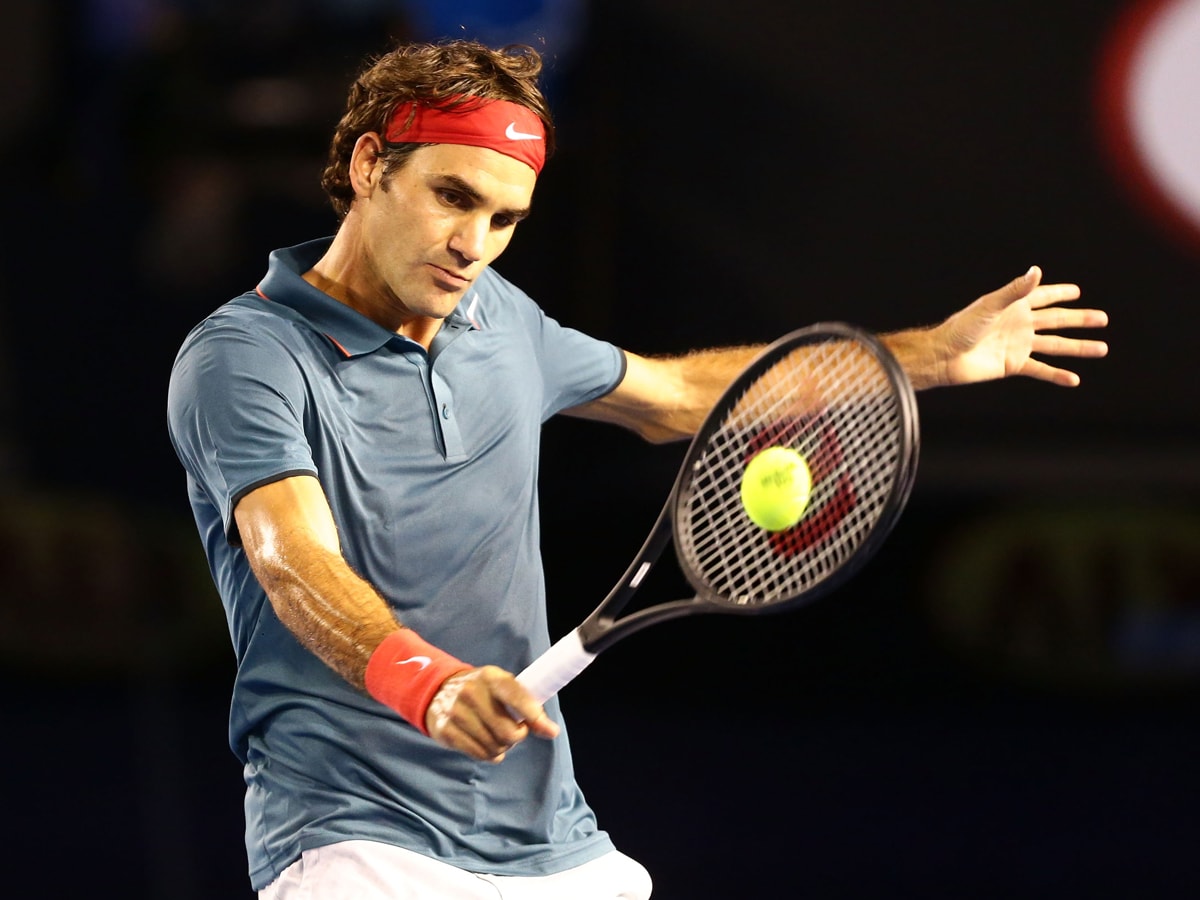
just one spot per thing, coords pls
(513, 135)
(422, 661)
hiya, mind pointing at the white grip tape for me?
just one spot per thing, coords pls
(555, 668)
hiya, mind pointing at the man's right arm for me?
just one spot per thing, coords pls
(292, 544)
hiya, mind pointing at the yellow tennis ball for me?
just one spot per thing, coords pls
(775, 488)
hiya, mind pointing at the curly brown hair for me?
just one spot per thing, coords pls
(428, 72)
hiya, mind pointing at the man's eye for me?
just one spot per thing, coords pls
(452, 198)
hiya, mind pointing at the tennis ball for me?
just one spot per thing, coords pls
(775, 488)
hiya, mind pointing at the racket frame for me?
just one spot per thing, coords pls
(576, 650)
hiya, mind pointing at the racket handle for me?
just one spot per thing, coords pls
(555, 668)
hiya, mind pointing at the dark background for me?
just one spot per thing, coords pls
(1002, 705)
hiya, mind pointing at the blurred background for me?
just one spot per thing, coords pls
(1004, 704)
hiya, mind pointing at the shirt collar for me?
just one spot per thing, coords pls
(349, 330)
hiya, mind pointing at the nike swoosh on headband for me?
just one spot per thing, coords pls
(513, 135)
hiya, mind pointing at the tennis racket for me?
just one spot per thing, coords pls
(830, 392)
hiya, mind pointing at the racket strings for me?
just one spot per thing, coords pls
(832, 402)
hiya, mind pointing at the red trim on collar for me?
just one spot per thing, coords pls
(346, 353)
(334, 341)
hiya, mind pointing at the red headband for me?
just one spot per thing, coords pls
(501, 125)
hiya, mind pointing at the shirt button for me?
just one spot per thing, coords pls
(445, 410)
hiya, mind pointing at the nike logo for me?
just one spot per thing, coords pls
(513, 135)
(421, 661)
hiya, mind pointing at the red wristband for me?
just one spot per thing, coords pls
(405, 672)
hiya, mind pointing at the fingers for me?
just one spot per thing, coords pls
(1030, 286)
(1056, 345)
(534, 717)
(1056, 318)
(1050, 294)
(1062, 377)
(1049, 316)
(484, 713)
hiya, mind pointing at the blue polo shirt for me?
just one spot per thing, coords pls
(430, 464)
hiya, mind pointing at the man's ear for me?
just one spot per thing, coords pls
(366, 164)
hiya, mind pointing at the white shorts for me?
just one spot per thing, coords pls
(368, 870)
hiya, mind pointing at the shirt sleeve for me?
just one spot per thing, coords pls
(576, 368)
(235, 410)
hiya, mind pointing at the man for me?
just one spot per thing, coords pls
(361, 439)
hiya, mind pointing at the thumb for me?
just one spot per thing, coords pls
(1019, 287)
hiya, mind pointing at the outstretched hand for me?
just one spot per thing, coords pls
(998, 335)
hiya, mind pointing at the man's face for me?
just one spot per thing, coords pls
(428, 230)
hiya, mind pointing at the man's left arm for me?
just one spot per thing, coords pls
(997, 336)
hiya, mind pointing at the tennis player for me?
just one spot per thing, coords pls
(360, 434)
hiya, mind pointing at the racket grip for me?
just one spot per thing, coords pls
(555, 668)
